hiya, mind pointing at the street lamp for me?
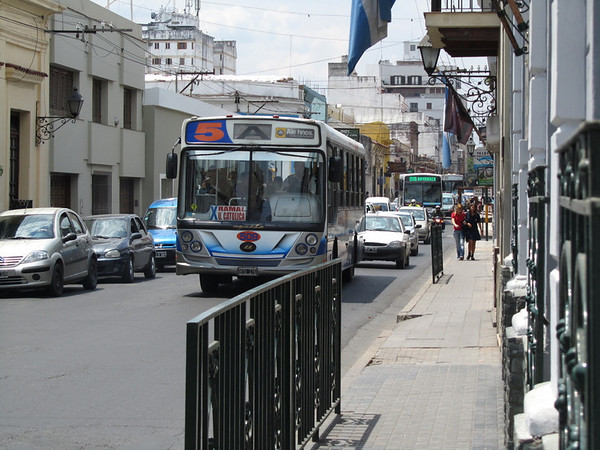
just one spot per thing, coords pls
(471, 146)
(45, 124)
(429, 55)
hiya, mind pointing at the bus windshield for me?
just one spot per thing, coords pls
(424, 193)
(243, 186)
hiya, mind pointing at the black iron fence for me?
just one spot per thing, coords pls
(263, 369)
(536, 286)
(437, 253)
(578, 330)
(460, 6)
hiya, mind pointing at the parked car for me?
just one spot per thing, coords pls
(161, 221)
(374, 204)
(123, 246)
(384, 238)
(423, 219)
(45, 248)
(411, 225)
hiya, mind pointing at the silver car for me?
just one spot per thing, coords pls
(422, 218)
(411, 225)
(45, 248)
(384, 238)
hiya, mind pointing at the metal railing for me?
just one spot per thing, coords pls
(437, 253)
(461, 6)
(263, 369)
(578, 329)
(536, 286)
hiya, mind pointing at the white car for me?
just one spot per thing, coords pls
(46, 248)
(422, 218)
(384, 238)
(411, 225)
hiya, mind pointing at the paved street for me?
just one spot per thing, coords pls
(106, 369)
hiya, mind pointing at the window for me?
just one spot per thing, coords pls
(101, 192)
(156, 61)
(397, 80)
(127, 108)
(414, 107)
(181, 45)
(413, 48)
(156, 45)
(168, 61)
(414, 79)
(182, 61)
(167, 45)
(97, 93)
(61, 87)
(429, 106)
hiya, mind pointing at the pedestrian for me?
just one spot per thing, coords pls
(458, 218)
(473, 230)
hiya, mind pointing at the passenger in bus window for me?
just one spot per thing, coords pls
(297, 181)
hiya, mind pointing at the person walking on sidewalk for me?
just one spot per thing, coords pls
(473, 229)
(458, 217)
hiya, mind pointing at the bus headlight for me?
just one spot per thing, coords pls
(196, 246)
(187, 236)
(311, 239)
(301, 249)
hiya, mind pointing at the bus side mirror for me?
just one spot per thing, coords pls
(171, 165)
(336, 169)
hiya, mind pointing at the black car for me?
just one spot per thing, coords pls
(123, 246)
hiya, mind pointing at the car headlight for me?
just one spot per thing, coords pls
(187, 236)
(394, 244)
(39, 255)
(112, 254)
(196, 246)
(301, 249)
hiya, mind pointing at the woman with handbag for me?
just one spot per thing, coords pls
(473, 229)
(458, 218)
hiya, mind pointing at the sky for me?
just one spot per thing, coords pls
(290, 38)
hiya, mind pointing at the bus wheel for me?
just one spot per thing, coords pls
(209, 283)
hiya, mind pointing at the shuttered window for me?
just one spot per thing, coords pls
(61, 87)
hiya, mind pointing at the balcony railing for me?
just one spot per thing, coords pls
(461, 6)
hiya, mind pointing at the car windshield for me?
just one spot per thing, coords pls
(382, 224)
(419, 214)
(107, 227)
(33, 226)
(406, 220)
(161, 218)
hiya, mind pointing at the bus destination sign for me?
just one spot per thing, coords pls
(420, 178)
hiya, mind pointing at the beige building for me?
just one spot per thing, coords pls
(24, 73)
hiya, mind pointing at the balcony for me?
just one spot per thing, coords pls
(463, 28)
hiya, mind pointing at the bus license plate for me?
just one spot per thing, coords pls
(248, 271)
(161, 254)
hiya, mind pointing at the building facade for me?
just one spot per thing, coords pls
(24, 73)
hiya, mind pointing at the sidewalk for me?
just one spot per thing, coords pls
(435, 381)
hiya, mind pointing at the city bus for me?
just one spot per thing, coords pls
(425, 188)
(451, 182)
(265, 196)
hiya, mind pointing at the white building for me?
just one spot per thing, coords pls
(176, 45)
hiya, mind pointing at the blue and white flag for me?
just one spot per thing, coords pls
(368, 25)
(446, 153)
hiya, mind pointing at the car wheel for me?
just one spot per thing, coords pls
(401, 262)
(150, 269)
(128, 273)
(57, 282)
(209, 283)
(91, 280)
